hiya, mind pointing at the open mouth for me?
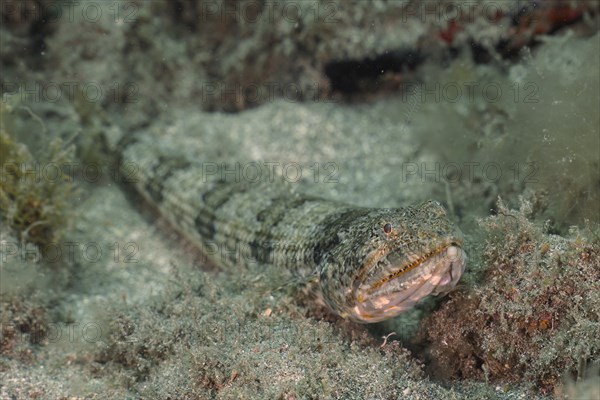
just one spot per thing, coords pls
(432, 273)
(449, 251)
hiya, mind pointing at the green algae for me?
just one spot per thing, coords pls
(36, 191)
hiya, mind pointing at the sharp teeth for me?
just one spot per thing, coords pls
(412, 258)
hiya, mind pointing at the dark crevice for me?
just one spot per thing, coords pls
(353, 76)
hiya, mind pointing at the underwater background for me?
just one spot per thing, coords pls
(491, 108)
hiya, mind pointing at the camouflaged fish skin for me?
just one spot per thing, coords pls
(370, 264)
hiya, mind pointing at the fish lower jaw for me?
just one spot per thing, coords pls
(381, 304)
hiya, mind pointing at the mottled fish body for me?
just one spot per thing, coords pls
(371, 264)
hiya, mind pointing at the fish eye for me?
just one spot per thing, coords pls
(387, 228)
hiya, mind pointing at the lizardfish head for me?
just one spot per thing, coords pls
(393, 259)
